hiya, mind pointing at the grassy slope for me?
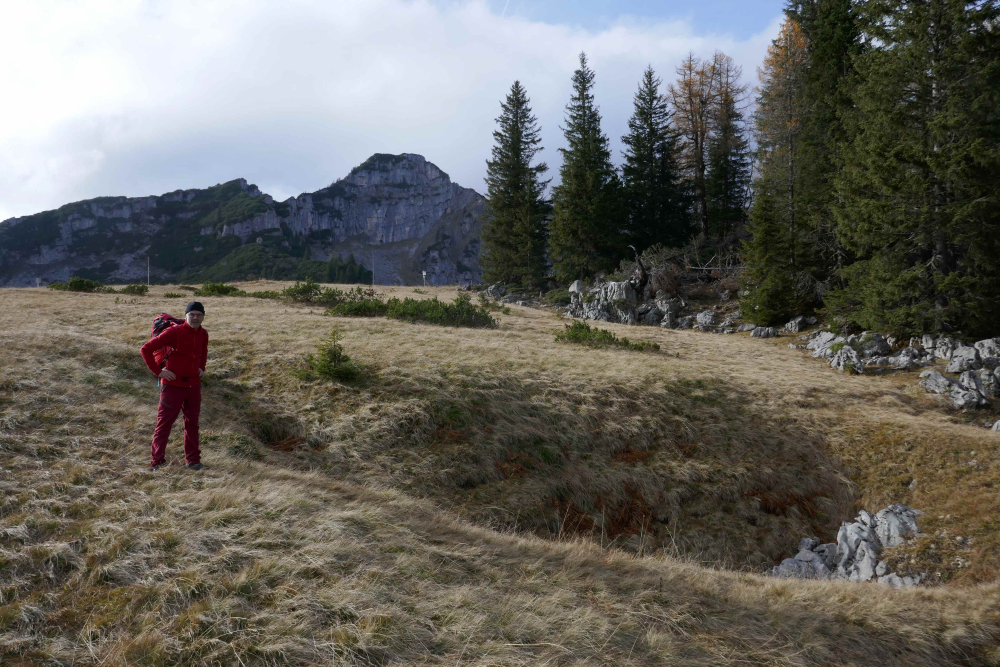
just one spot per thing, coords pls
(371, 541)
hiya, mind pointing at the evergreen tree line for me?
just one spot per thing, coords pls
(685, 173)
(870, 195)
(877, 126)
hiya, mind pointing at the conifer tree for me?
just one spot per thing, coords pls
(831, 31)
(728, 169)
(778, 239)
(768, 277)
(918, 190)
(586, 229)
(655, 201)
(514, 231)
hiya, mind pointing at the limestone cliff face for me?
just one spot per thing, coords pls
(397, 213)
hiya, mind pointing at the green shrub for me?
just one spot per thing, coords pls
(582, 333)
(189, 288)
(219, 289)
(331, 362)
(173, 295)
(304, 292)
(365, 302)
(557, 297)
(77, 284)
(266, 294)
(136, 289)
(487, 303)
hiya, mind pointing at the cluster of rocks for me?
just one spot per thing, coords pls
(855, 554)
(977, 365)
(618, 302)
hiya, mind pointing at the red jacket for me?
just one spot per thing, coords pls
(190, 354)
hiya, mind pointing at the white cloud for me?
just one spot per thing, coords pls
(129, 97)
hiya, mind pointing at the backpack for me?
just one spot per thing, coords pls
(163, 322)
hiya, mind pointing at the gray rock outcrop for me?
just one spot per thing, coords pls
(763, 332)
(608, 302)
(964, 358)
(855, 555)
(847, 358)
(988, 348)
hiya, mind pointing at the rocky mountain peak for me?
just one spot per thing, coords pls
(404, 170)
(398, 214)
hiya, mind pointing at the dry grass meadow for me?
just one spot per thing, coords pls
(480, 497)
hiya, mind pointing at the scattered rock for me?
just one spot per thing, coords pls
(576, 287)
(966, 399)
(896, 581)
(496, 292)
(745, 327)
(763, 332)
(874, 345)
(988, 348)
(669, 320)
(996, 426)
(936, 382)
(796, 324)
(971, 381)
(707, 318)
(894, 524)
(685, 322)
(944, 347)
(822, 341)
(847, 358)
(963, 359)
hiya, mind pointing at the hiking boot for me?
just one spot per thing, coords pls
(158, 466)
(194, 466)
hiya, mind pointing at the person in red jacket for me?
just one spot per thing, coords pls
(180, 383)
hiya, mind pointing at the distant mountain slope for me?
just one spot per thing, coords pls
(399, 213)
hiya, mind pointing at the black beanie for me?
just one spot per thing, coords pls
(195, 305)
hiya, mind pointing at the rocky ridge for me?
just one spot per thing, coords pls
(398, 213)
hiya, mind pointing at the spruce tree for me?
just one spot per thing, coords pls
(768, 278)
(586, 231)
(833, 40)
(727, 181)
(778, 274)
(655, 201)
(918, 193)
(514, 229)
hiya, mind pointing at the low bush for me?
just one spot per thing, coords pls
(137, 289)
(304, 292)
(173, 295)
(461, 312)
(219, 289)
(189, 288)
(77, 284)
(266, 294)
(330, 361)
(582, 333)
(489, 304)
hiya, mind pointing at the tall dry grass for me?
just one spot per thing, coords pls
(485, 497)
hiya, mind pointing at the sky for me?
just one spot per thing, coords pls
(143, 97)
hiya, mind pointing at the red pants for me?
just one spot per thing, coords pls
(174, 400)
